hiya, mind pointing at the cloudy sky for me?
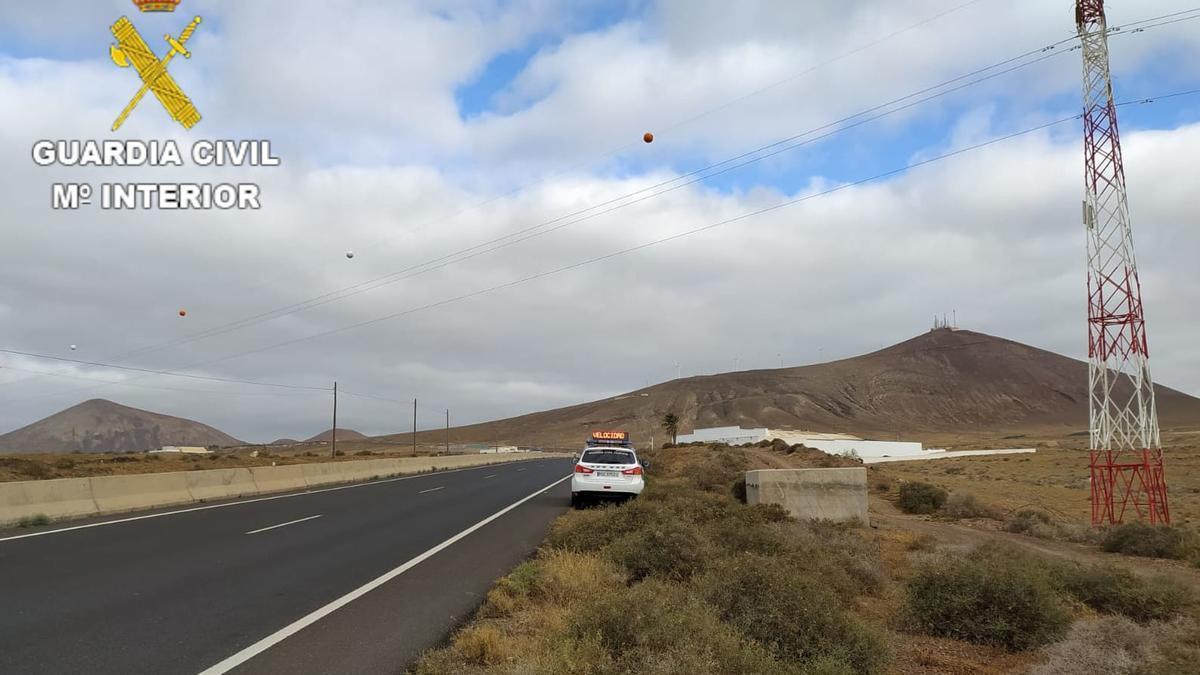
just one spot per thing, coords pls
(463, 146)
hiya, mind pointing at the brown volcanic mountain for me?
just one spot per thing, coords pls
(342, 435)
(942, 381)
(103, 426)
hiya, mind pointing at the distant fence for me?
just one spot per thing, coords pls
(79, 497)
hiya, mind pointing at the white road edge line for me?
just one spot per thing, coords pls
(295, 627)
(290, 522)
(492, 476)
(440, 487)
(246, 501)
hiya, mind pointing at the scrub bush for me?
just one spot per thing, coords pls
(995, 596)
(920, 498)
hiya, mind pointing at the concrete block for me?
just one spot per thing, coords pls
(220, 483)
(58, 498)
(278, 478)
(823, 494)
(140, 491)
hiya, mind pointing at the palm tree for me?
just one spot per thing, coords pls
(670, 423)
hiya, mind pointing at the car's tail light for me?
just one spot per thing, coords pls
(579, 468)
(635, 471)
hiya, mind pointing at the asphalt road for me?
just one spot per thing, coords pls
(277, 584)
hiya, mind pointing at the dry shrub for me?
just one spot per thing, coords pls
(1032, 522)
(961, 505)
(1152, 541)
(564, 577)
(922, 542)
(669, 549)
(480, 645)
(1116, 590)
(846, 562)
(658, 627)
(688, 503)
(30, 468)
(736, 534)
(738, 489)
(1112, 645)
(593, 529)
(996, 596)
(791, 611)
(917, 497)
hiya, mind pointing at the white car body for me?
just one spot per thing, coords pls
(607, 470)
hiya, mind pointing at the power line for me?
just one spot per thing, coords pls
(210, 378)
(564, 268)
(615, 203)
(241, 322)
(680, 235)
(625, 200)
(121, 383)
(674, 125)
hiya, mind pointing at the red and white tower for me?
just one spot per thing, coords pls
(1126, 453)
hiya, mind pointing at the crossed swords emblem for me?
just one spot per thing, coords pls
(131, 49)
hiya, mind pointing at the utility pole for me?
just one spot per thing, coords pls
(333, 440)
(414, 427)
(677, 371)
(447, 431)
(1126, 457)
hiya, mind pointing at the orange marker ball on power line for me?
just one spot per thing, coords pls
(648, 137)
(183, 312)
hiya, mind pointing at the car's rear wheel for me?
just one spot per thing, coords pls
(575, 500)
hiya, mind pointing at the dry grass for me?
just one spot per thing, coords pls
(823, 598)
(46, 466)
(1054, 480)
(1114, 645)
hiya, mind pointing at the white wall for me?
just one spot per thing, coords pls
(829, 443)
(730, 435)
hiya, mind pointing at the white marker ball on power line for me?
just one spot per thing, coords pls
(73, 347)
(350, 255)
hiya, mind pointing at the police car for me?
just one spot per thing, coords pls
(608, 466)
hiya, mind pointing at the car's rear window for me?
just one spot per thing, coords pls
(607, 457)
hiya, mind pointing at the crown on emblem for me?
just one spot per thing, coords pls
(157, 5)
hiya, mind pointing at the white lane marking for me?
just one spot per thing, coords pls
(306, 621)
(290, 522)
(440, 487)
(520, 469)
(492, 476)
(244, 501)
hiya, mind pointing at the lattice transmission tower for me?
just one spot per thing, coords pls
(1126, 451)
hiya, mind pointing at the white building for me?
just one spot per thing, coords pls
(870, 452)
(834, 444)
(499, 449)
(181, 449)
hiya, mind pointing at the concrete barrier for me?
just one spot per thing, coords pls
(114, 494)
(76, 497)
(220, 484)
(326, 473)
(824, 494)
(55, 499)
(279, 478)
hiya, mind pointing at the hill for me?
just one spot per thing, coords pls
(284, 441)
(941, 381)
(103, 426)
(342, 435)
